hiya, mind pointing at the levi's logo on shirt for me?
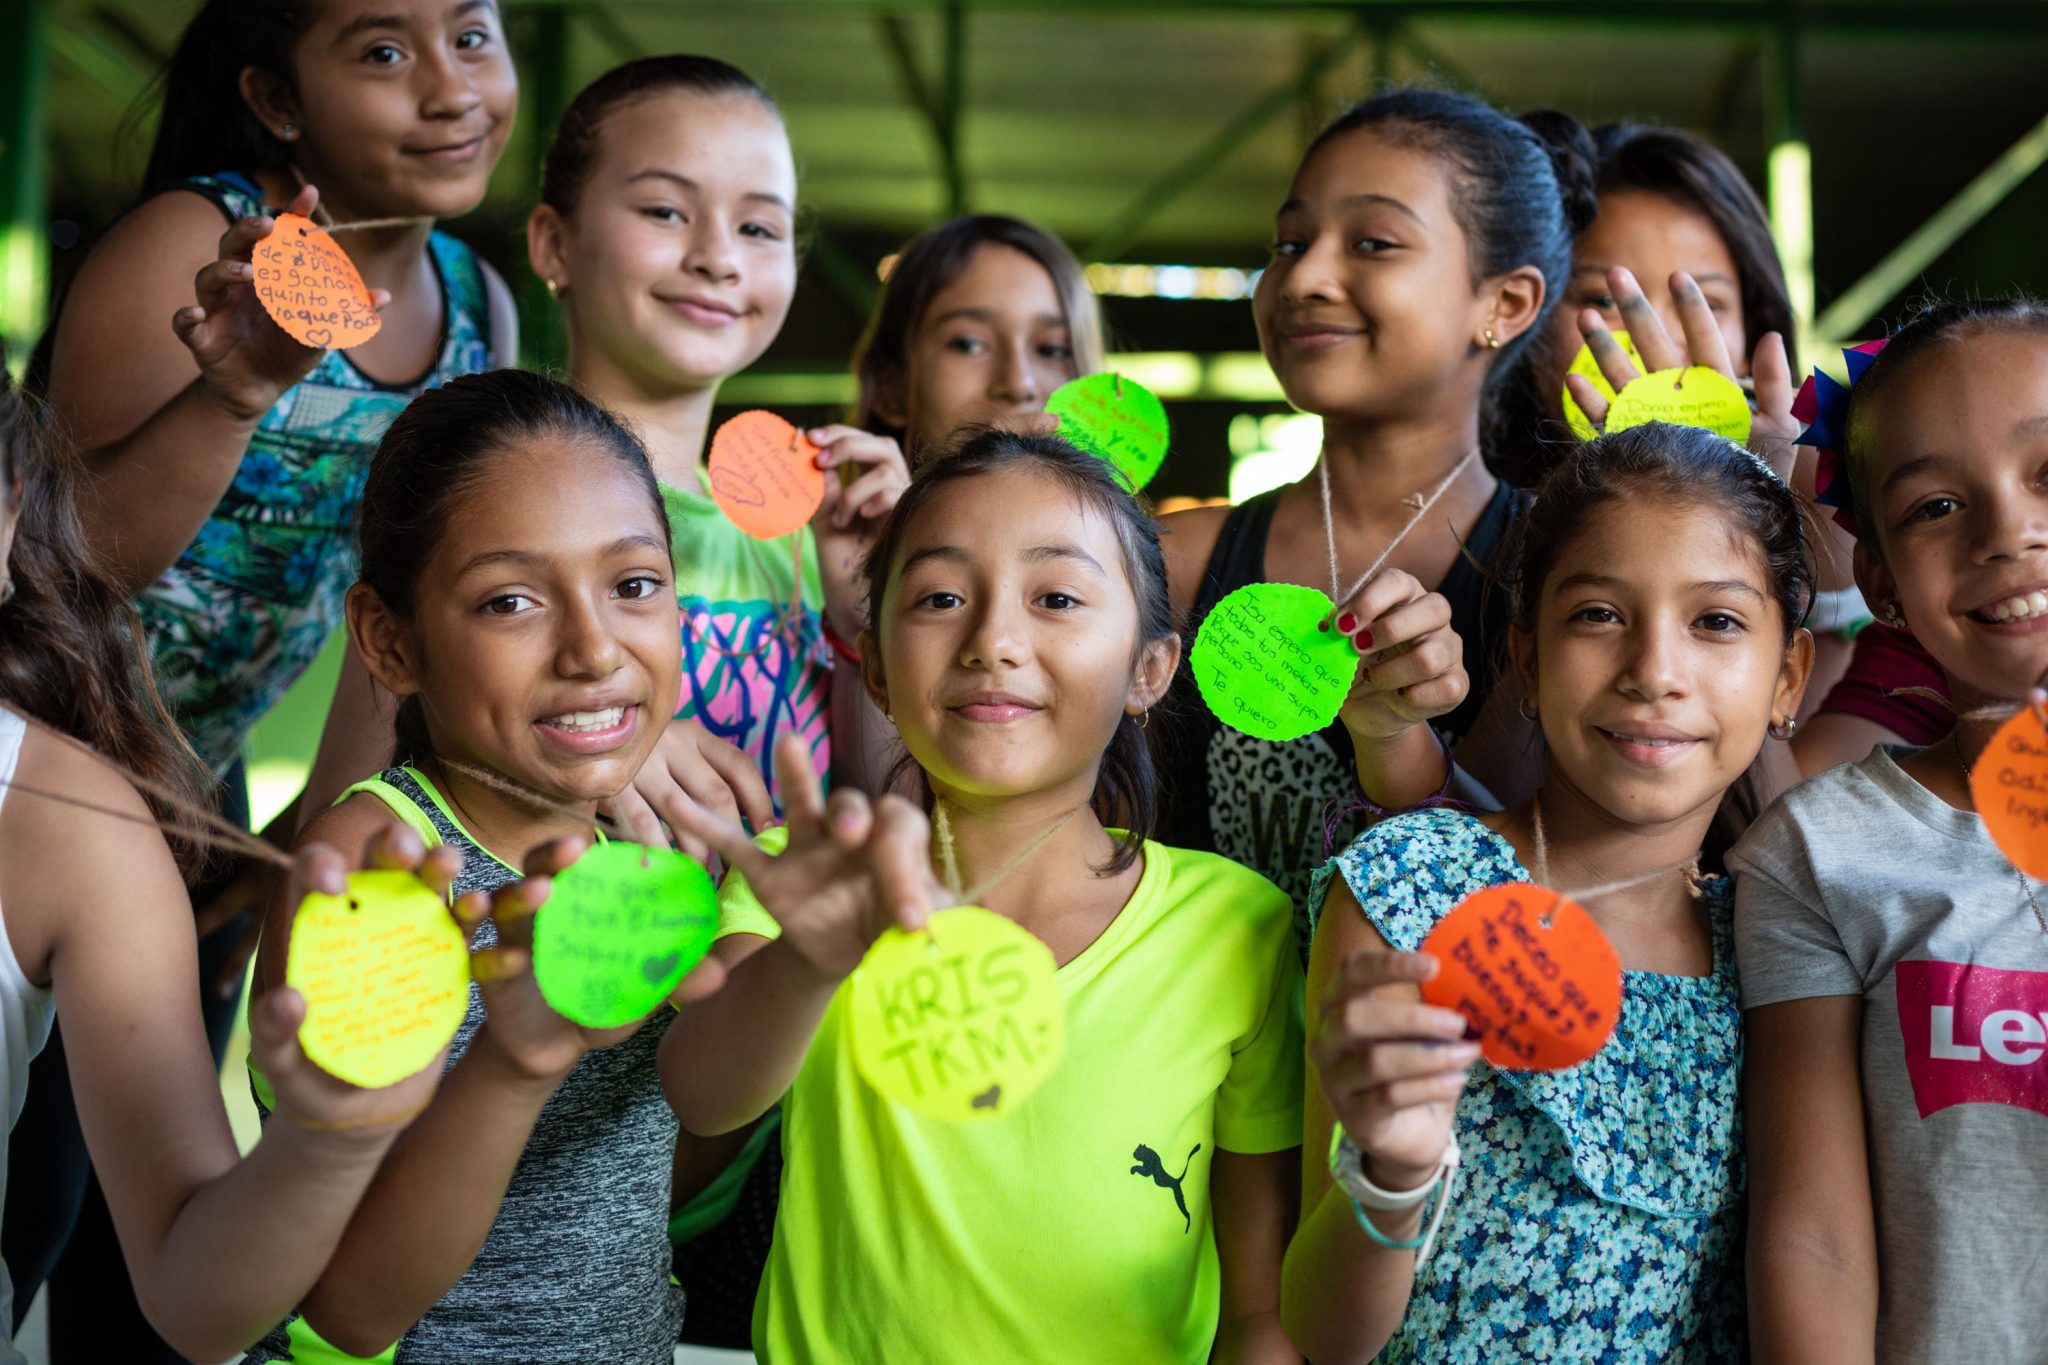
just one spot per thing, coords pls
(1974, 1035)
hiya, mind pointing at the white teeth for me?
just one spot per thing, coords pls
(2022, 607)
(587, 720)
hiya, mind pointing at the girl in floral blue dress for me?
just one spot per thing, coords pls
(1455, 1211)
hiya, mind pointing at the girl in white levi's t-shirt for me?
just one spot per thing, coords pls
(1894, 964)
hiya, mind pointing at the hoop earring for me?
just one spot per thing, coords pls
(6, 592)
(1784, 729)
(1144, 716)
(1528, 711)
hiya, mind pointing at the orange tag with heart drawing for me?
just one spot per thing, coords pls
(2010, 786)
(310, 287)
(765, 475)
(1531, 972)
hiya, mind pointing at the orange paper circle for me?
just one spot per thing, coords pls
(2010, 786)
(307, 283)
(765, 475)
(1538, 998)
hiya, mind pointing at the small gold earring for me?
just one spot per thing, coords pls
(1492, 341)
(554, 289)
(1893, 617)
(1144, 718)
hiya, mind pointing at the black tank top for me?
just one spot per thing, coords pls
(1260, 803)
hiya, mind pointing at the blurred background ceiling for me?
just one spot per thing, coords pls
(1158, 134)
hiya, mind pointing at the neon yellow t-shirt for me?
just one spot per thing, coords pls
(1058, 1233)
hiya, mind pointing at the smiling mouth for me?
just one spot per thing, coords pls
(2019, 607)
(586, 722)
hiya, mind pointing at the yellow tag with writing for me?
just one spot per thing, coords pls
(384, 971)
(1692, 397)
(962, 1022)
(1584, 365)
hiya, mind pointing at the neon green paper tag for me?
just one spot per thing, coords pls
(963, 1022)
(1692, 397)
(621, 928)
(1269, 664)
(384, 970)
(1584, 365)
(1116, 418)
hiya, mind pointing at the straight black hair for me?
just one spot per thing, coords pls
(1515, 203)
(1126, 785)
(204, 124)
(441, 447)
(1523, 439)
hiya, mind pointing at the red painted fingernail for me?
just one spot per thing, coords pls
(1347, 623)
(1364, 641)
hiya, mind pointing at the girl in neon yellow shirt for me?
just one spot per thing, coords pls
(1135, 1206)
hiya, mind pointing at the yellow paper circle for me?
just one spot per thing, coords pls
(384, 971)
(1584, 365)
(1692, 397)
(963, 1022)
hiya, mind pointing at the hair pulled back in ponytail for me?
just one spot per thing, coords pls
(1505, 188)
(444, 444)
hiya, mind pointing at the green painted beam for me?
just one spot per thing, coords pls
(25, 33)
(941, 107)
(1789, 172)
(1860, 301)
(1114, 240)
(90, 55)
(544, 67)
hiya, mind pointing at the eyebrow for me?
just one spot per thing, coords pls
(624, 545)
(684, 182)
(1367, 200)
(988, 316)
(1911, 467)
(1035, 554)
(1718, 586)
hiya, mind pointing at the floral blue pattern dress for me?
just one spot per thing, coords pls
(248, 605)
(1598, 1212)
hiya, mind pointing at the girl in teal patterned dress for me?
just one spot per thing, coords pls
(228, 458)
(1595, 1213)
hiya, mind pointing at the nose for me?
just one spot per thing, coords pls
(585, 646)
(1016, 378)
(995, 638)
(1312, 276)
(1655, 668)
(711, 250)
(2012, 524)
(447, 86)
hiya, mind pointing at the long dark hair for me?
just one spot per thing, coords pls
(1933, 324)
(1507, 192)
(1126, 785)
(438, 449)
(1523, 439)
(574, 145)
(927, 264)
(204, 124)
(71, 648)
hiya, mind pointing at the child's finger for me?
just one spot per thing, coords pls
(274, 1019)
(631, 811)
(1703, 339)
(491, 966)
(305, 201)
(1387, 590)
(1370, 968)
(900, 851)
(742, 778)
(394, 846)
(871, 487)
(1590, 400)
(803, 804)
(848, 817)
(1645, 328)
(320, 867)
(238, 243)
(1358, 1071)
(725, 838)
(1421, 1090)
(1771, 370)
(1617, 366)
(217, 279)
(1419, 662)
(556, 855)
(1405, 623)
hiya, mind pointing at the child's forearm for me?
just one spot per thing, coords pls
(248, 1244)
(432, 1204)
(1397, 771)
(1342, 1294)
(728, 1059)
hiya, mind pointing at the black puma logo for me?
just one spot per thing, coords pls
(1153, 1169)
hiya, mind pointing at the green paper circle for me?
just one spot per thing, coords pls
(615, 937)
(1692, 397)
(1269, 663)
(1116, 418)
